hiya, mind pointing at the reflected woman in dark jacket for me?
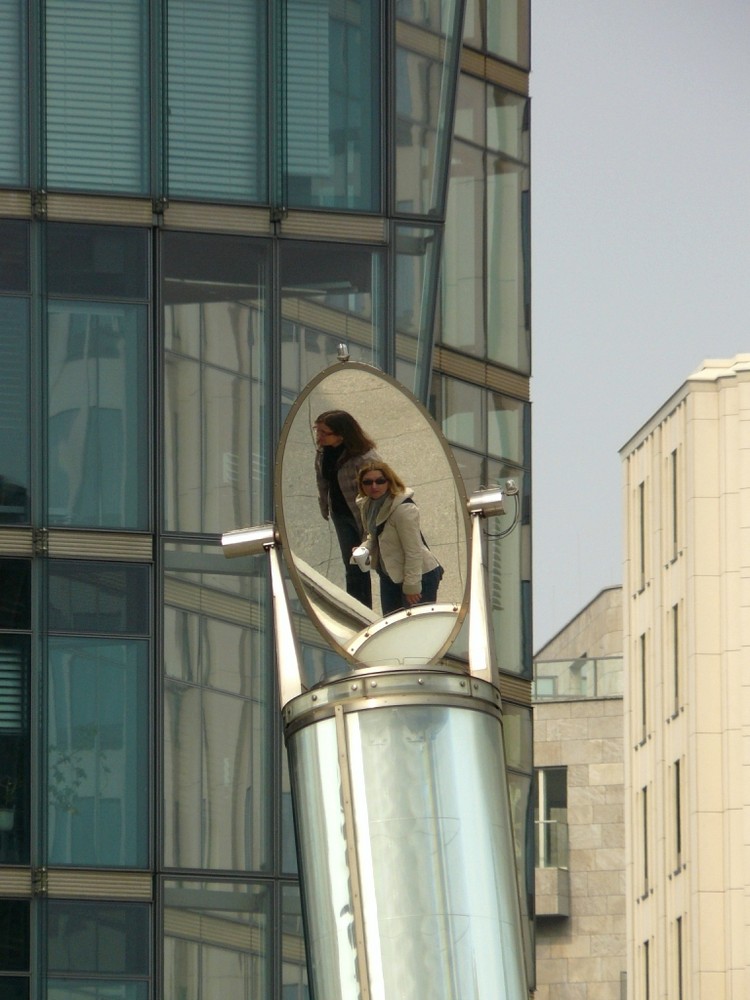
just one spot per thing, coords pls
(342, 448)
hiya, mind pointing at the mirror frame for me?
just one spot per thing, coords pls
(462, 514)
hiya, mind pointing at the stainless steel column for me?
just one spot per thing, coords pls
(404, 837)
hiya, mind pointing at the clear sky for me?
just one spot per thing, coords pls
(640, 252)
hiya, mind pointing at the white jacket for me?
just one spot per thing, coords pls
(398, 548)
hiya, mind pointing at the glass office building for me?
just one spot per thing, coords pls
(199, 201)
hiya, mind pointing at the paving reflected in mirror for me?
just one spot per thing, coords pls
(349, 430)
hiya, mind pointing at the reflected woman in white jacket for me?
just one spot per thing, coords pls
(409, 573)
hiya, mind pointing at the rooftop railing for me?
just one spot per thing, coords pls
(580, 678)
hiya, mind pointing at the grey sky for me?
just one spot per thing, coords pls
(640, 251)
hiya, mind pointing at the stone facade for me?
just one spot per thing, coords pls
(686, 643)
(581, 949)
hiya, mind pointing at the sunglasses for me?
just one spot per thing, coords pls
(374, 482)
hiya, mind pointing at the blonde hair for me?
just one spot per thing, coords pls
(395, 485)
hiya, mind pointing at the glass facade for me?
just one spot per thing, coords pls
(198, 204)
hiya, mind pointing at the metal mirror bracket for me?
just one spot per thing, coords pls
(482, 659)
(254, 541)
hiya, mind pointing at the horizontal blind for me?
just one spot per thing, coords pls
(13, 91)
(216, 100)
(12, 691)
(308, 88)
(96, 95)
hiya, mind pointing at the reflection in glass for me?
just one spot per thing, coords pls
(319, 661)
(96, 95)
(519, 788)
(470, 117)
(14, 410)
(417, 268)
(217, 99)
(332, 92)
(323, 859)
(329, 294)
(97, 752)
(507, 123)
(506, 430)
(462, 408)
(294, 969)
(98, 392)
(288, 839)
(508, 30)
(216, 933)
(517, 736)
(463, 275)
(426, 60)
(508, 297)
(217, 742)
(215, 429)
(474, 18)
(471, 466)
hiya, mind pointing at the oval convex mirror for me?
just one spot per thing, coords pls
(354, 431)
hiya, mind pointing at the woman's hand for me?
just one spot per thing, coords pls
(412, 598)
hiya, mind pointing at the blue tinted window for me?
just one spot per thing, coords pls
(97, 262)
(100, 938)
(74, 988)
(14, 256)
(14, 937)
(96, 96)
(14, 749)
(15, 594)
(98, 597)
(333, 68)
(13, 94)
(217, 99)
(98, 950)
(14, 988)
(97, 752)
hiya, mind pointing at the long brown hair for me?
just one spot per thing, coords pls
(395, 485)
(356, 442)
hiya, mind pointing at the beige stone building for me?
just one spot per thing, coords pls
(580, 860)
(686, 642)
